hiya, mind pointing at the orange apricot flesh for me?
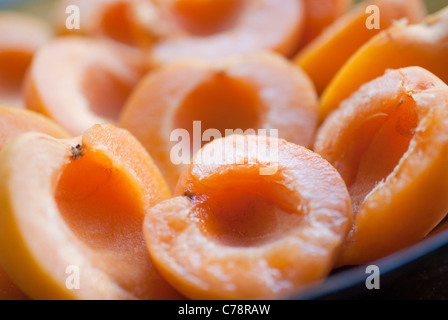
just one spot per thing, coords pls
(8, 290)
(144, 23)
(324, 56)
(13, 122)
(79, 82)
(244, 27)
(82, 207)
(400, 46)
(258, 91)
(248, 225)
(108, 19)
(125, 20)
(20, 37)
(203, 17)
(389, 141)
(320, 14)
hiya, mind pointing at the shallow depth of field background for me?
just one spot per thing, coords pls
(44, 7)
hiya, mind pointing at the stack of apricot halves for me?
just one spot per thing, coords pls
(210, 149)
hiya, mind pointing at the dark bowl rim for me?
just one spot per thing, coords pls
(353, 279)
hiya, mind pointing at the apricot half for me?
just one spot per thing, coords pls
(249, 224)
(257, 91)
(389, 141)
(402, 45)
(20, 37)
(71, 216)
(80, 82)
(214, 29)
(324, 56)
(13, 122)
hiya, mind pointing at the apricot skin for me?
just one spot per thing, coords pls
(319, 15)
(79, 82)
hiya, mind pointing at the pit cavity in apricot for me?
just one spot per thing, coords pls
(241, 27)
(114, 20)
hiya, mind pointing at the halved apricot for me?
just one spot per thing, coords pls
(389, 141)
(324, 56)
(80, 82)
(257, 91)
(20, 37)
(72, 212)
(319, 14)
(13, 122)
(192, 23)
(250, 224)
(402, 45)
(243, 26)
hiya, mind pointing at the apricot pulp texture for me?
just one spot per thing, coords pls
(20, 37)
(245, 27)
(250, 225)
(389, 141)
(402, 45)
(79, 82)
(324, 56)
(257, 91)
(319, 14)
(75, 208)
(13, 122)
